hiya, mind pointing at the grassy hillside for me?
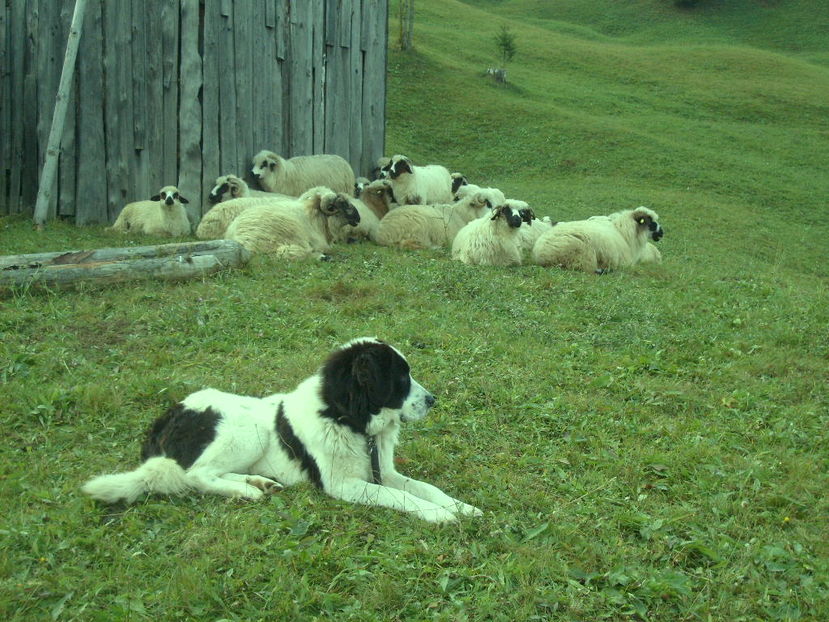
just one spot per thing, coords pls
(649, 444)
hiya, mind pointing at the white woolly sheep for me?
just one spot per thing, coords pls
(301, 173)
(359, 184)
(301, 228)
(216, 221)
(163, 214)
(366, 229)
(381, 169)
(458, 180)
(429, 226)
(495, 196)
(599, 243)
(539, 226)
(650, 254)
(419, 185)
(232, 187)
(493, 240)
(378, 197)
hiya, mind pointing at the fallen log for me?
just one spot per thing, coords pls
(105, 266)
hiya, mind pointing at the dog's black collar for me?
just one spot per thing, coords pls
(371, 441)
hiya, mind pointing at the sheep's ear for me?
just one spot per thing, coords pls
(182, 199)
(155, 197)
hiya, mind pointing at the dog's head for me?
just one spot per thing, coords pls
(367, 377)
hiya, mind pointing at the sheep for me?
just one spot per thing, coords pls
(359, 184)
(378, 197)
(366, 229)
(298, 174)
(458, 180)
(381, 169)
(529, 235)
(650, 254)
(163, 214)
(419, 185)
(493, 240)
(495, 196)
(216, 221)
(301, 228)
(429, 226)
(232, 187)
(599, 243)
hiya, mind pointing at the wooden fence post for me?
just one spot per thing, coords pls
(47, 179)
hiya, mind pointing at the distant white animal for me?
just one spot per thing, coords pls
(599, 243)
(298, 174)
(162, 215)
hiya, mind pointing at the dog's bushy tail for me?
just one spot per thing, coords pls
(157, 474)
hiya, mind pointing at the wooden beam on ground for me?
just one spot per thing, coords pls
(106, 266)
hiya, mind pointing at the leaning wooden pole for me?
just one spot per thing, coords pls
(50, 167)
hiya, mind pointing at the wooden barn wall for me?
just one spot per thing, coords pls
(182, 91)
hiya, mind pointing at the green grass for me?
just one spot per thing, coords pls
(649, 444)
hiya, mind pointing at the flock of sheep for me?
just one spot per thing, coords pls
(309, 203)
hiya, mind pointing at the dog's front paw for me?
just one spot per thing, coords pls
(264, 484)
(438, 515)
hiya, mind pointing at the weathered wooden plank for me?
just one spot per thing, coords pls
(355, 98)
(67, 168)
(301, 86)
(228, 136)
(373, 120)
(210, 99)
(345, 15)
(270, 14)
(5, 107)
(29, 180)
(319, 77)
(272, 128)
(330, 22)
(190, 119)
(118, 102)
(263, 53)
(140, 120)
(81, 268)
(170, 81)
(283, 28)
(245, 15)
(17, 46)
(154, 103)
(49, 52)
(92, 197)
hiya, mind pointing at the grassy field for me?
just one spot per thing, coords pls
(648, 444)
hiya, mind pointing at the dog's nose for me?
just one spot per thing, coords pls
(430, 400)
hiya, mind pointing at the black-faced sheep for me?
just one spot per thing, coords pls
(359, 184)
(495, 196)
(458, 180)
(298, 174)
(366, 229)
(232, 187)
(293, 230)
(651, 254)
(599, 243)
(429, 226)
(162, 215)
(419, 185)
(492, 240)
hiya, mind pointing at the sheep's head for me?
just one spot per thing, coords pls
(359, 185)
(264, 162)
(399, 164)
(226, 184)
(510, 215)
(169, 195)
(527, 215)
(338, 204)
(383, 167)
(645, 217)
(458, 180)
(380, 190)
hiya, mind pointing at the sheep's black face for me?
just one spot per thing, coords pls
(656, 230)
(527, 215)
(400, 167)
(216, 195)
(349, 212)
(512, 218)
(457, 182)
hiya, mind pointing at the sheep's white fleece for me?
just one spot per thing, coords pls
(495, 196)
(490, 240)
(429, 226)
(598, 243)
(424, 185)
(216, 221)
(237, 188)
(298, 174)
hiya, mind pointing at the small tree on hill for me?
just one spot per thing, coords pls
(505, 45)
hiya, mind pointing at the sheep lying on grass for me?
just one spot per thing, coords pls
(458, 180)
(366, 229)
(232, 187)
(530, 235)
(296, 175)
(495, 196)
(378, 197)
(650, 254)
(429, 226)
(359, 184)
(300, 228)
(216, 221)
(599, 243)
(163, 214)
(493, 240)
(419, 185)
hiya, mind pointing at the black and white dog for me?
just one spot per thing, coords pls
(337, 429)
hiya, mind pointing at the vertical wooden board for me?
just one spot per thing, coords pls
(375, 41)
(154, 101)
(283, 27)
(17, 47)
(330, 21)
(210, 98)
(50, 47)
(320, 76)
(245, 15)
(5, 108)
(140, 16)
(337, 101)
(67, 164)
(170, 85)
(283, 32)
(31, 170)
(301, 87)
(92, 197)
(190, 121)
(228, 136)
(355, 100)
(345, 14)
(117, 92)
(263, 52)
